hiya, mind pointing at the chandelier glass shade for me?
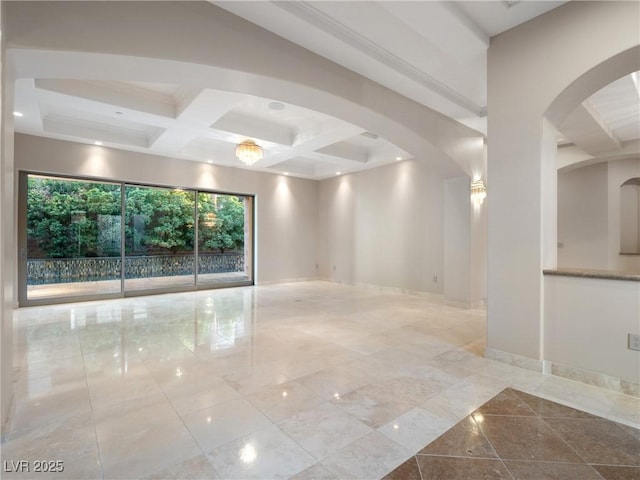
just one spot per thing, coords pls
(248, 152)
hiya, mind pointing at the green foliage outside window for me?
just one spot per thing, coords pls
(157, 219)
(69, 218)
(63, 218)
(227, 231)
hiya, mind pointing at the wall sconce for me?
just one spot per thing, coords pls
(478, 192)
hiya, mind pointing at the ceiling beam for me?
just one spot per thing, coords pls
(95, 130)
(196, 111)
(116, 95)
(316, 18)
(254, 128)
(443, 24)
(586, 129)
(305, 145)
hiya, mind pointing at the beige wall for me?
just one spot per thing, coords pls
(618, 173)
(583, 212)
(286, 207)
(457, 234)
(7, 246)
(586, 325)
(383, 227)
(629, 216)
(465, 245)
(589, 216)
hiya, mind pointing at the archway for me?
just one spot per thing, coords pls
(538, 72)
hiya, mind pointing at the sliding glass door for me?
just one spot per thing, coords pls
(72, 237)
(159, 238)
(223, 238)
(85, 239)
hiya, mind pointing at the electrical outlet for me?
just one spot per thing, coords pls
(634, 342)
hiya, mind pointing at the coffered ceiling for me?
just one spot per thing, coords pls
(432, 52)
(198, 124)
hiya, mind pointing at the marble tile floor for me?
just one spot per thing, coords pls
(518, 436)
(303, 380)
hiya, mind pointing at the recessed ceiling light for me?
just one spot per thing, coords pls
(119, 113)
(209, 161)
(286, 173)
(97, 142)
(18, 114)
(398, 158)
(338, 173)
(276, 106)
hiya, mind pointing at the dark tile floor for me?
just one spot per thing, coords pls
(518, 436)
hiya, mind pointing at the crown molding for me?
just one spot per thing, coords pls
(307, 12)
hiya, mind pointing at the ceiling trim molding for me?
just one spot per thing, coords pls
(307, 12)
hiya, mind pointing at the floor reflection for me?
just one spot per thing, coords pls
(303, 380)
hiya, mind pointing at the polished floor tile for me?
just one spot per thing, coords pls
(316, 472)
(551, 470)
(371, 456)
(373, 405)
(279, 402)
(415, 428)
(69, 440)
(134, 455)
(609, 472)
(196, 468)
(519, 436)
(224, 422)
(267, 453)
(506, 403)
(455, 468)
(308, 380)
(626, 409)
(524, 438)
(598, 440)
(546, 408)
(51, 405)
(465, 439)
(409, 470)
(334, 382)
(323, 429)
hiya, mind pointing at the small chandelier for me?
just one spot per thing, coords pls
(248, 152)
(478, 192)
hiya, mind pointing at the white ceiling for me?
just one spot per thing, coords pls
(608, 120)
(198, 124)
(432, 52)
